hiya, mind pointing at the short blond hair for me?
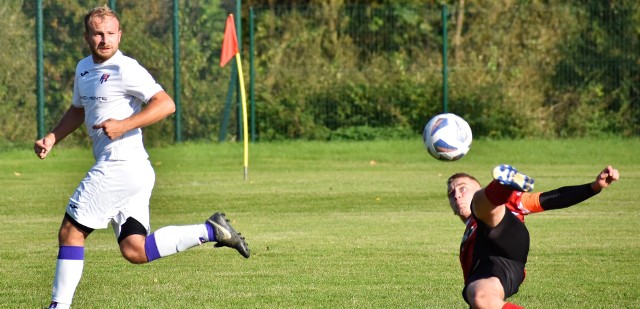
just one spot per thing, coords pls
(460, 175)
(101, 11)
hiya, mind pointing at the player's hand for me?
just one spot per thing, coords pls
(43, 146)
(605, 178)
(112, 128)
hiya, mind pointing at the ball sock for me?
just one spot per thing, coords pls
(173, 239)
(68, 273)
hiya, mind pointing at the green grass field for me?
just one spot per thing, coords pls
(330, 225)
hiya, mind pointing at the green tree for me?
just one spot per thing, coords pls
(17, 77)
(595, 87)
(517, 68)
(148, 37)
(505, 53)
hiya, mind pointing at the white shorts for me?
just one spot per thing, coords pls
(111, 192)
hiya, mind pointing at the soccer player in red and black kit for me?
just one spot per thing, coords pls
(495, 244)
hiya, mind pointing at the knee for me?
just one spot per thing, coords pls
(486, 293)
(482, 299)
(134, 258)
(132, 250)
(71, 235)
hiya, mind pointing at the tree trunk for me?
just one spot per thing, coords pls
(457, 39)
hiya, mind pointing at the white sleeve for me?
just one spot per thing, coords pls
(137, 82)
(76, 96)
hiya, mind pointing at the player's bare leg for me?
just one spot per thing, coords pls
(486, 293)
(132, 249)
(169, 240)
(69, 265)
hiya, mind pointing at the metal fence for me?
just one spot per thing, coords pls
(314, 70)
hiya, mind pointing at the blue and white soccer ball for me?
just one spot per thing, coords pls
(447, 137)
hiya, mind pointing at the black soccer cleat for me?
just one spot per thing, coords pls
(226, 236)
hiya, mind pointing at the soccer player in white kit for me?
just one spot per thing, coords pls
(109, 90)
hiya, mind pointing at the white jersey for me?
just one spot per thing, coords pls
(115, 89)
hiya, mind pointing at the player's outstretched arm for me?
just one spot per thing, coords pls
(570, 195)
(72, 119)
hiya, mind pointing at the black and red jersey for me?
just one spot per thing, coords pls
(519, 203)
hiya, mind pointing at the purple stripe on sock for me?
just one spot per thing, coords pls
(151, 248)
(70, 253)
(212, 235)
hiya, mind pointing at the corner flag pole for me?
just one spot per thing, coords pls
(245, 126)
(229, 50)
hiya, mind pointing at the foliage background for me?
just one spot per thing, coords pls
(347, 69)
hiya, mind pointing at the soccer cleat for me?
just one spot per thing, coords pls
(508, 176)
(226, 236)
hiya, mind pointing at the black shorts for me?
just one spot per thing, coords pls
(509, 272)
(501, 252)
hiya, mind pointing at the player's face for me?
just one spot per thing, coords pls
(461, 191)
(103, 37)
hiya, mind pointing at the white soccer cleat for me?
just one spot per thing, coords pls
(508, 176)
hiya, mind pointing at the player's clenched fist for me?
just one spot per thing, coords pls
(112, 128)
(605, 178)
(43, 146)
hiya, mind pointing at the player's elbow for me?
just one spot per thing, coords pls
(171, 108)
(163, 103)
(168, 106)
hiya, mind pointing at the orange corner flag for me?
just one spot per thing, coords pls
(229, 43)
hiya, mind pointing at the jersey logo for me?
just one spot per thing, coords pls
(84, 73)
(104, 78)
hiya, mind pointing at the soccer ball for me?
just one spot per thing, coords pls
(447, 137)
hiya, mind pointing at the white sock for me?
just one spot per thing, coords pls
(173, 239)
(68, 273)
